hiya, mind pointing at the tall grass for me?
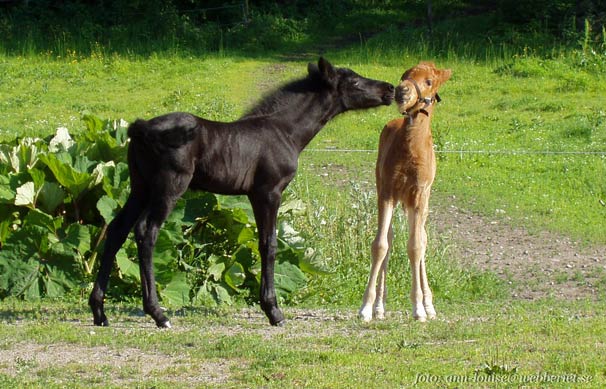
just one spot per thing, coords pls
(477, 40)
(341, 222)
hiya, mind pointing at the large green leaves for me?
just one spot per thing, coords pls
(50, 197)
(26, 195)
(40, 259)
(177, 290)
(21, 157)
(57, 198)
(72, 175)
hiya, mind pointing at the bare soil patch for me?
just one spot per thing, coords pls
(542, 264)
(538, 265)
(124, 365)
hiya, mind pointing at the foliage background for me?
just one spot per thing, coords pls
(254, 27)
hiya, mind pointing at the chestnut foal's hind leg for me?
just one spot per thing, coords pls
(380, 253)
(420, 293)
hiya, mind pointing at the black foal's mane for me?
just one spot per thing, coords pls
(283, 97)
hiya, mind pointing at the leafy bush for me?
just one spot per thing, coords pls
(266, 32)
(57, 197)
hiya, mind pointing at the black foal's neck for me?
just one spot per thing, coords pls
(299, 109)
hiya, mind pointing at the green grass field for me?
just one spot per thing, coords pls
(536, 112)
(521, 133)
(531, 344)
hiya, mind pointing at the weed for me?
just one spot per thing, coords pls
(405, 345)
(496, 366)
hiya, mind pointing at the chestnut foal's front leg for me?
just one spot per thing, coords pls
(265, 207)
(381, 298)
(420, 293)
(374, 296)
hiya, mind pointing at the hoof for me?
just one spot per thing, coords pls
(164, 324)
(276, 318)
(281, 323)
(380, 314)
(101, 323)
(365, 317)
(431, 312)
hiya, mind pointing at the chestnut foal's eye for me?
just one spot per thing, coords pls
(428, 82)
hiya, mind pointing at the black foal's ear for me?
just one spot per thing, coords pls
(312, 69)
(327, 71)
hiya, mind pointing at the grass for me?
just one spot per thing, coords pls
(341, 223)
(40, 94)
(482, 343)
(523, 103)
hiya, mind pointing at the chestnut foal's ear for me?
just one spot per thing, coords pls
(445, 74)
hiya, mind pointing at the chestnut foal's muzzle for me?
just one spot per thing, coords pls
(426, 101)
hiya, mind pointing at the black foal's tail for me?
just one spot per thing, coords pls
(168, 131)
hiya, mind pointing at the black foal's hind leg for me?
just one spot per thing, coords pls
(146, 233)
(117, 232)
(265, 208)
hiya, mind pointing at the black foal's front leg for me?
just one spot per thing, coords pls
(266, 213)
(117, 232)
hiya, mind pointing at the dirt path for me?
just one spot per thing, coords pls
(538, 265)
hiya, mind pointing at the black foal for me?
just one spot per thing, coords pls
(255, 156)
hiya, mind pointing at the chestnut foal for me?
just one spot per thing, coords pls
(405, 170)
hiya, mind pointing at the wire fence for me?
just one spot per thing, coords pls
(471, 152)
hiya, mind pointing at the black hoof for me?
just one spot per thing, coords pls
(164, 324)
(277, 320)
(274, 314)
(101, 323)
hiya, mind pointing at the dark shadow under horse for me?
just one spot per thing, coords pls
(256, 156)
